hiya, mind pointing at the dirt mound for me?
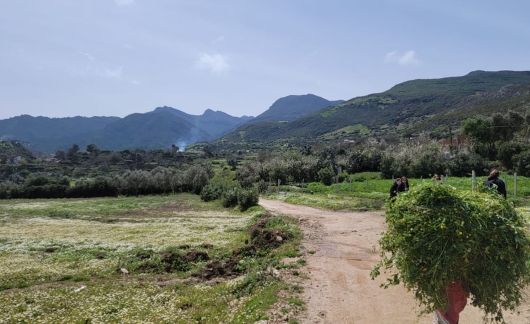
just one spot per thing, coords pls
(195, 256)
(262, 238)
(171, 259)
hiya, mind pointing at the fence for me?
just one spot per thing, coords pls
(511, 189)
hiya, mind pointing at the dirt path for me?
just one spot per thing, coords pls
(340, 250)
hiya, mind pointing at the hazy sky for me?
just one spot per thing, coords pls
(115, 57)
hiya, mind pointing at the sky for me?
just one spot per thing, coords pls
(115, 57)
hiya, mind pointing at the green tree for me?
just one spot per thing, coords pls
(72, 152)
(92, 149)
(482, 135)
(326, 175)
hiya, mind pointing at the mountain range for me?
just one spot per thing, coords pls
(407, 109)
(160, 128)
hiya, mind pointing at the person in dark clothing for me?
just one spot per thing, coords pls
(398, 186)
(495, 182)
(405, 183)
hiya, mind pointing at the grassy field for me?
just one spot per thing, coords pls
(139, 259)
(367, 191)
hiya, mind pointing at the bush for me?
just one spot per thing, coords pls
(137, 182)
(262, 186)
(506, 153)
(99, 187)
(247, 198)
(229, 198)
(437, 235)
(196, 178)
(366, 160)
(248, 174)
(462, 164)
(387, 166)
(523, 163)
(326, 175)
(6, 189)
(211, 192)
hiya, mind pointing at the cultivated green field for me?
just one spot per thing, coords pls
(138, 259)
(367, 191)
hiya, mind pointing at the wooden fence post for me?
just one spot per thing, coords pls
(515, 184)
(473, 180)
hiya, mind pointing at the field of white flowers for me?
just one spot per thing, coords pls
(128, 260)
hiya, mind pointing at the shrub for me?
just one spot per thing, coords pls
(523, 163)
(427, 162)
(137, 182)
(387, 166)
(211, 192)
(366, 160)
(437, 235)
(262, 186)
(247, 198)
(229, 198)
(506, 153)
(248, 174)
(343, 176)
(195, 178)
(6, 188)
(326, 175)
(462, 164)
(99, 187)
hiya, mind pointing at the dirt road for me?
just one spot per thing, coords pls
(341, 248)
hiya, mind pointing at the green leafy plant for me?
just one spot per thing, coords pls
(211, 192)
(247, 198)
(437, 235)
(229, 198)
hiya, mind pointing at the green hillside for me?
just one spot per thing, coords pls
(159, 128)
(293, 107)
(11, 150)
(406, 109)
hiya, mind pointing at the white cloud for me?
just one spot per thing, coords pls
(405, 58)
(123, 2)
(215, 63)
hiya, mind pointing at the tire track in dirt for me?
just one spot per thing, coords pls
(340, 249)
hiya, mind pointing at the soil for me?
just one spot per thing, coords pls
(340, 249)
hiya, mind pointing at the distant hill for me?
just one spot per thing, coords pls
(11, 151)
(156, 129)
(49, 134)
(406, 109)
(293, 107)
(165, 126)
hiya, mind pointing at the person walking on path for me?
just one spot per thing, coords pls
(495, 182)
(457, 297)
